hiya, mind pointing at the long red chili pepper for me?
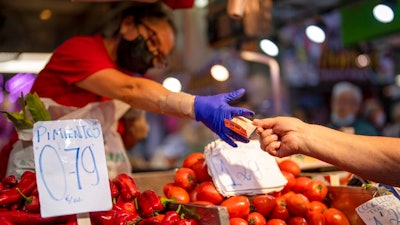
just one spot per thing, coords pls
(127, 186)
(25, 185)
(23, 218)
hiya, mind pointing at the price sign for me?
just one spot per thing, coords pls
(70, 167)
(383, 210)
(243, 170)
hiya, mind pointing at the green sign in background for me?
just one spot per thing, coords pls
(359, 24)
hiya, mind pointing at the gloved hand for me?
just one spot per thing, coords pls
(212, 110)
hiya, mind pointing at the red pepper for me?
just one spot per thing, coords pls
(10, 181)
(114, 191)
(186, 222)
(4, 221)
(127, 186)
(23, 218)
(15, 206)
(72, 221)
(3, 188)
(25, 185)
(35, 191)
(32, 203)
(171, 218)
(154, 220)
(129, 206)
(125, 217)
(149, 203)
(103, 217)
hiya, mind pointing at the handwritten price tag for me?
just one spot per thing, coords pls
(380, 210)
(71, 167)
(243, 170)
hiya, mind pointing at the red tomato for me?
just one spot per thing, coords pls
(276, 222)
(290, 166)
(202, 202)
(263, 204)
(201, 169)
(301, 184)
(279, 212)
(193, 193)
(167, 186)
(297, 220)
(298, 204)
(238, 221)
(256, 218)
(316, 190)
(206, 191)
(192, 158)
(315, 218)
(334, 216)
(291, 181)
(180, 194)
(238, 206)
(185, 178)
(285, 196)
(317, 206)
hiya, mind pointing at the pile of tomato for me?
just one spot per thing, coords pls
(300, 202)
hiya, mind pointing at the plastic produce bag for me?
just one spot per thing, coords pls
(108, 113)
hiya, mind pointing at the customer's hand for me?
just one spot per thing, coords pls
(281, 136)
(212, 110)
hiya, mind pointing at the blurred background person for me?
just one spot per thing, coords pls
(346, 102)
(392, 129)
(374, 112)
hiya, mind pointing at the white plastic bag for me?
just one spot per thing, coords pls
(108, 113)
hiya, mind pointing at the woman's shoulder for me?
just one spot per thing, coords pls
(82, 42)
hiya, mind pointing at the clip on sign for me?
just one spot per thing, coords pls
(71, 169)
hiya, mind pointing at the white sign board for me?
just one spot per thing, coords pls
(71, 167)
(383, 210)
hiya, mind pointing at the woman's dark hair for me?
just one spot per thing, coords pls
(148, 11)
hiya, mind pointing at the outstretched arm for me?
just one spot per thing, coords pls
(151, 96)
(371, 157)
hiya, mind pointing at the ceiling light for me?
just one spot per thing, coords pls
(219, 72)
(383, 13)
(172, 84)
(45, 14)
(269, 47)
(315, 34)
(363, 60)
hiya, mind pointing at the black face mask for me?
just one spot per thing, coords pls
(134, 56)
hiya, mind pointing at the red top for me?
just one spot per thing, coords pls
(73, 61)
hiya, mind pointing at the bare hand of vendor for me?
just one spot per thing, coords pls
(280, 137)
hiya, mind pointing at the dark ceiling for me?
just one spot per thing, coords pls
(21, 29)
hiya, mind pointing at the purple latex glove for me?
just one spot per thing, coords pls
(212, 110)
